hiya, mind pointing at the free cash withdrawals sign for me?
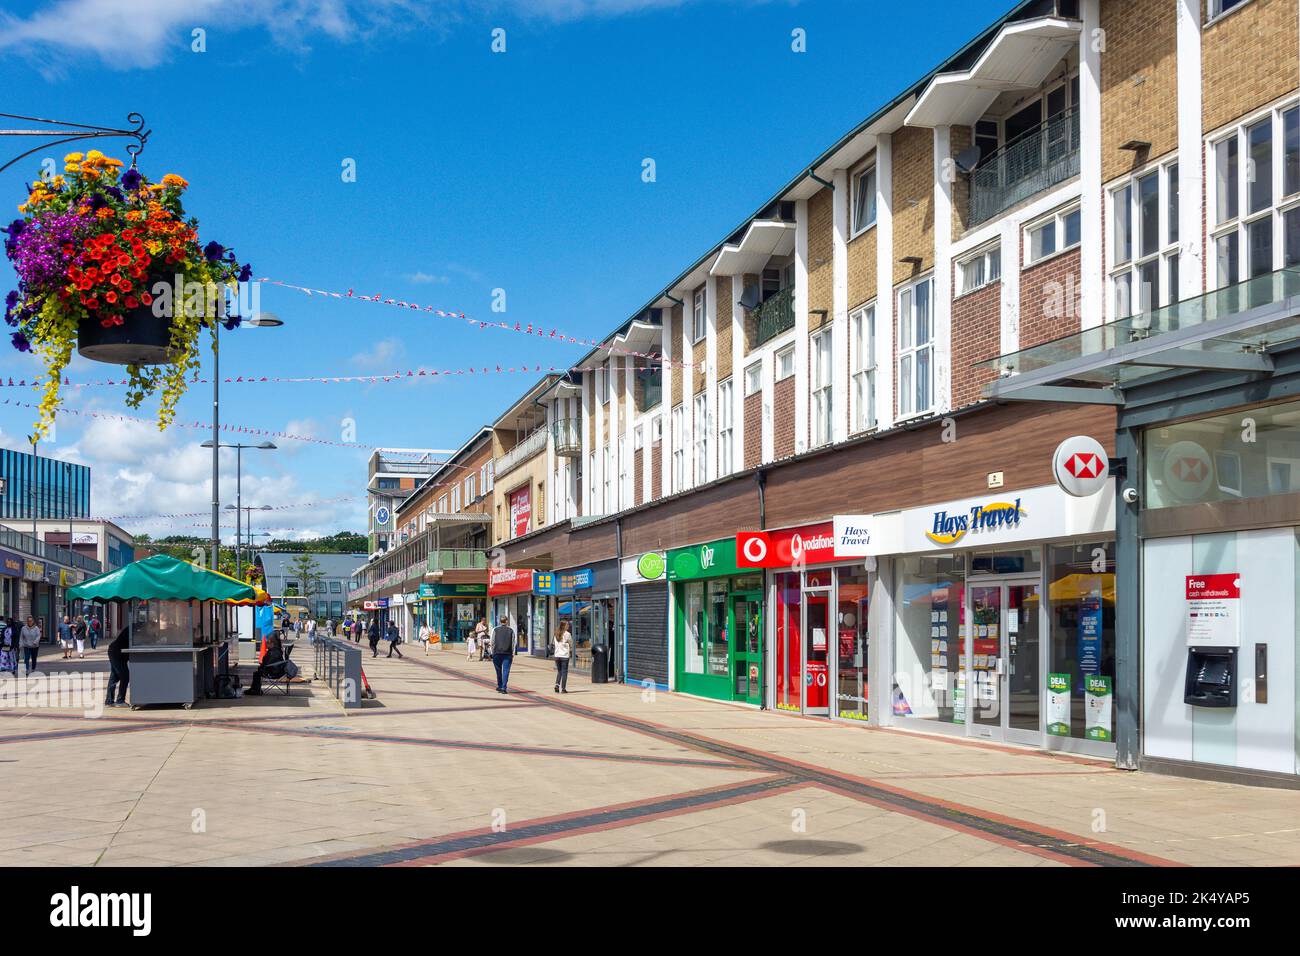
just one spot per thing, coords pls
(1213, 610)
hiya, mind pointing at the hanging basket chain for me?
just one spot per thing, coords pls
(75, 132)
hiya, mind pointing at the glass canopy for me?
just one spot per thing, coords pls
(1228, 329)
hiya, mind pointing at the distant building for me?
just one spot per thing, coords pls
(55, 489)
(394, 473)
(282, 581)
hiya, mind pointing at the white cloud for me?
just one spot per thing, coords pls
(381, 356)
(127, 34)
(425, 278)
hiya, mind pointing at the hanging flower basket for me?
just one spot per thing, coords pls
(108, 264)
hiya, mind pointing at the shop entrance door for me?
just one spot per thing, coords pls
(816, 649)
(747, 646)
(1003, 689)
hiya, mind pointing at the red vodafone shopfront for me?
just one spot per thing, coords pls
(818, 641)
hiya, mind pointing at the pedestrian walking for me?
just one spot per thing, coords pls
(484, 644)
(8, 648)
(563, 654)
(29, 638)
(394, 638)
(65, 636)
(311, 630)
(374, 638)
(503, 654)
(119, 672)
(79, 635)
(95, 627)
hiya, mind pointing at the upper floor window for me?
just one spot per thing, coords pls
(609, 503)
(979, 269)
(656, 429)
(1217, 8)
(679, 449)
(699, 323)
(754, 379)
(864, 200)
(726, 431)
(602, 384)
(1052, 234)
(1256, 202)
(916, 348)
(455, 498)
(469, 489)
(862, 358)
(442, 505)
(701, 438)
(785, 363)
(637, 439)
(821, 387)
(1144, 246)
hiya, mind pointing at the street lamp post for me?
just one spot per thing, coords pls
(261, 320)
(239, 472)
(237, 508)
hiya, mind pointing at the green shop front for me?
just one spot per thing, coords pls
(453, 609)
(717, 620)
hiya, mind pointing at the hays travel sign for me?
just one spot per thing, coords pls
(950, 527)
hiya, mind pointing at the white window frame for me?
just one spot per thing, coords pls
(701, 409)
(678, 447)
(609, 490)
(699, 314)
(1216, 9)
(656, 429)
(753, 379)
(638, 439)
(912, 350)
(455, 498)
(866, 176)
(726, 427)
(1125, 276)
(592, 487)
(1239, 225)
(862, 368)
(821, 384)
(602, 384)
(1057, 220)
(783, 356)
(986, 255)
(469, 489)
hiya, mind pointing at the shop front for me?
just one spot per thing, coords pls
(453, 609)
(645, 625)
(818, 608)
(588, 600)
(11, 574)
(513, 601)
(1003, 618)
(717, 614)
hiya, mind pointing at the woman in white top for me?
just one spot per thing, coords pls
(563, 652)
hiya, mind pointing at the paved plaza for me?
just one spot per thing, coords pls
(441, 769)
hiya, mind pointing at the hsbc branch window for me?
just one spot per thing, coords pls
(1251, 453)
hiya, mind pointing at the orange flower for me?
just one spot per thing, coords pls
(171, 179)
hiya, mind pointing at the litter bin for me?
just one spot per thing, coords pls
(599, 664)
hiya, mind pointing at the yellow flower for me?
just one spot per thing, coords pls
(104, 212)
(73, 158)
(23, 207)
(171, 179)
(110, 161)
(58, 182)
(72, 168)
(95, 155)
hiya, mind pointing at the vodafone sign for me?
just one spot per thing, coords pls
(1081, 466)
(813, 544)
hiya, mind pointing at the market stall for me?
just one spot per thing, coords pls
(181, 624)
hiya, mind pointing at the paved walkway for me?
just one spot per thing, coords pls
(442, 769)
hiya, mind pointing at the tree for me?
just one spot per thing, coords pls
(309, 574)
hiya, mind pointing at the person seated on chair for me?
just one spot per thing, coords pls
(273, 659)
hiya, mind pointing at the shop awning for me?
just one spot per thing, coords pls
(163, 578)
(1234, 329)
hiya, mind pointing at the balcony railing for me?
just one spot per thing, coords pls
(775, 316)
(568, 437)
(39, 549)
(533, 445)
(455, 559)
(1033, 162)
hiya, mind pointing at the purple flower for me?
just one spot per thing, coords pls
(245, 273)
(131, 180)
(37, 252)
(213, 251)
(11, 299)
(232, 323)
(116, 193)
(20, 342)
(15, 228)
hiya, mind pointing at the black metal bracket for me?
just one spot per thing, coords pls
(1118, 468)
(75, 132)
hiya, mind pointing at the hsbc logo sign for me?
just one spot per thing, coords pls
(1081, 466)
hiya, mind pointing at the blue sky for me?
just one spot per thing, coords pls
(474, 171)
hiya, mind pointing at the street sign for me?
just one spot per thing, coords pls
(1080, 466)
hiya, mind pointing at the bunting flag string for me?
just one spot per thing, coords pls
(225, 429)
(399, 376)
(200, 514)
(530, 329)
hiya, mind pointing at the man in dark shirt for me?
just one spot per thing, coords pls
(503, 653)
(119, 673)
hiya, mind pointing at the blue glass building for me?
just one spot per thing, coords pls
(61, 489)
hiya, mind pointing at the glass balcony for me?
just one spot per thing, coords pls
(1033, 162)
(775, 316)
(454, 559)
(568, 437)
(533, 445)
